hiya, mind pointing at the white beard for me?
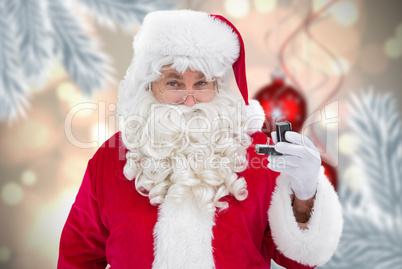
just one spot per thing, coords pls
(179, 152)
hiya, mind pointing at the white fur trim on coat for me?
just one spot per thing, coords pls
(255, 116)
(183, 236)
(316, 244)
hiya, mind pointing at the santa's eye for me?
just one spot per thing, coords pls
(201, 83)
(172, 83)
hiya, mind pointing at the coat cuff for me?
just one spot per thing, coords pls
(316, 244)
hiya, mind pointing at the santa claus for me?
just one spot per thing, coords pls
(180, 185)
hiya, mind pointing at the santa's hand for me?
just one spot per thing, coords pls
(300, 160)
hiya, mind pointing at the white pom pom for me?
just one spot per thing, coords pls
(255, 116)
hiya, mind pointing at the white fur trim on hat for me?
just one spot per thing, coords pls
(183, 33)
(316, 244)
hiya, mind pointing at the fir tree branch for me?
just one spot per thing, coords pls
(366, 243)
(13, 91)
(86, 66)
(372, 234)
(376, 120)
(34, 37)
(125, 12)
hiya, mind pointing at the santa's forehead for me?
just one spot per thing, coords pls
(174, 73)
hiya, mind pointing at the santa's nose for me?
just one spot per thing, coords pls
(189, 101)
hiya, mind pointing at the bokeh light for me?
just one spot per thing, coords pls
(393, 47)
(353, 175)
(5, 254)
(28, 177)
(65, 91)
(237, 8)
(318, 4)
(345, 13)
(347, 143)
(265, 6)
(12, 193)
(72, 96)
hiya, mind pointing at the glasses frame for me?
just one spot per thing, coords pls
(186, 96)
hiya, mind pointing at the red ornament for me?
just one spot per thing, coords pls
(281, 102)
(331, 173)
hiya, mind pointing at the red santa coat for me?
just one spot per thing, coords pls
(111, 223)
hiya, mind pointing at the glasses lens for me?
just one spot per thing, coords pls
(179, 96)
(203, 96)
(174, 97)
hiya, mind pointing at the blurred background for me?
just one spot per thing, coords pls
(333, 68)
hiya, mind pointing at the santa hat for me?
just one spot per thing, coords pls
(210, 41)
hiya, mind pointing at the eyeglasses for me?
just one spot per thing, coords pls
(180, 96)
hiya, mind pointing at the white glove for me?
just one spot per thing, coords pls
(300, 160)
